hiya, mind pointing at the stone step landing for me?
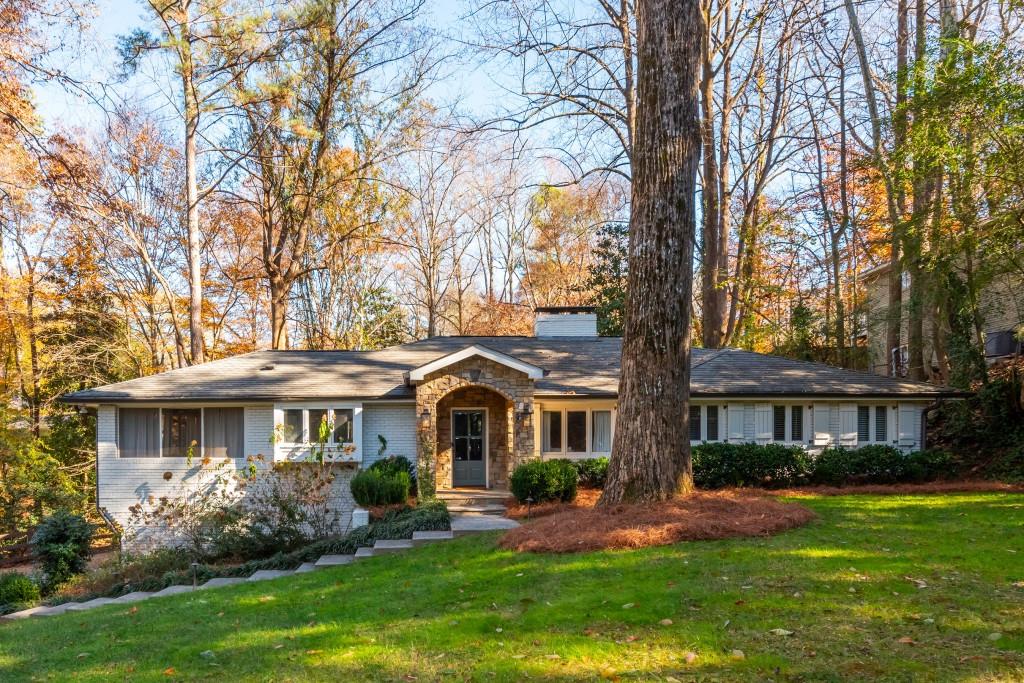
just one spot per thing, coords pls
(462, 524)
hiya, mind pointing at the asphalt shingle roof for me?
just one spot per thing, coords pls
(573, 366)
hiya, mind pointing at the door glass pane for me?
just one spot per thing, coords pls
(576, 431)
(461, 448)
(460, 424)
(291, 430)
(476, 448)
(181, 432)
(552, 431)
(316, 422)
(343, 426)
(601, 436)
(476, 424)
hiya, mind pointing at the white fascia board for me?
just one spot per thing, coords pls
(531, 371)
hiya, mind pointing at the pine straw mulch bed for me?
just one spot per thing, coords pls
(701, 516)
(895, 489)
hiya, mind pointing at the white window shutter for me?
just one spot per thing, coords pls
(848, 424)
(909, 425)
(763, 423)
(749, 427)
(822, 434)
(734, 413)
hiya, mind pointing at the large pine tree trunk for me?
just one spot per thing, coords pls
(651, 453)
(195, 274)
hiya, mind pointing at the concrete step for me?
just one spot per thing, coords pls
(463, 524)
(334, 560)
(222, 581)
(135, 596)
(90, 604)
(306, 567)
(363, 552)
(473, 496)
(490, 509)
(391, 546)
(172, 590)
(266, 574)
(37, 611)
(422, 537)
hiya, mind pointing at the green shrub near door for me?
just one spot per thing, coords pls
(544, 480)
(373, 487)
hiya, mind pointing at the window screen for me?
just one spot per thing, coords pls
(576, 431)
(292, 427)
(694, 423)
(343, 425)
(181, 431)
(315, 418)
(138, 432)
(224, 432)
(779, 423)
(552, 431)
(881, 424)
(863, 424)
(601, 431)
(796, 423)
(712, 415)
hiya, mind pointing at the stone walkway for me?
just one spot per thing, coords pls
(461, 525)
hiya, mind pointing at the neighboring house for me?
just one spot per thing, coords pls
(1001, 305)
(469, 408)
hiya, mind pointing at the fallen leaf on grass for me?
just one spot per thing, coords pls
(313, 652)
(83, 655)
(907, 640)
(690, 657)
(169, 671)
(278, 646)
(738, 654)
(665, 622)
(780, 632)
(629, 605)
(995, 636)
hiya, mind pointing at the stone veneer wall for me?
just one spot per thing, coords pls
(471, 376)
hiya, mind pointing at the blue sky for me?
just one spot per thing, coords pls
(92, 58)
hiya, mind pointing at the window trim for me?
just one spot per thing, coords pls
(200, 450)
(279, 411)
(564, 410)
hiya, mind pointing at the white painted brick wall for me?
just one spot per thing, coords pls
(396, 423)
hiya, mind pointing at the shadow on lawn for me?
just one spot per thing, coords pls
(465, 611)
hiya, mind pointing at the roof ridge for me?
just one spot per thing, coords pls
(710, 357)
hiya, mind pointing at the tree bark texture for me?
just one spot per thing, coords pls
(651, 452)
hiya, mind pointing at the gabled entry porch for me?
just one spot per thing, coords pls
(475, 412)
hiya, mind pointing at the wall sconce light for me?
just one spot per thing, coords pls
(524, 410)
(425, 417)
(473, 374)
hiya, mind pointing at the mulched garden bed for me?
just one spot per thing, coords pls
(701, 516)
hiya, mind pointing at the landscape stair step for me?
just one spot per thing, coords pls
(483, 514)
(334, 560)
(222, 581)
(391, 546)
(488, 509)
(421, 537)
(266, 574)
(173, 590)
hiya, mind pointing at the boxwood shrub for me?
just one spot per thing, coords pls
(16, 591)
(372, 487)
(716, 465)
(591, 473)
(544, 480)
(392, 465)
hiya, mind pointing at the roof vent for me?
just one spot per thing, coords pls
(267, 367)
(565, 321)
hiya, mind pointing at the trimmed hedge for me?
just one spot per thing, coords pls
(591, 473)
(373, 487)
(718, 465)
(394, 464)
(16, 590)
(544, 480)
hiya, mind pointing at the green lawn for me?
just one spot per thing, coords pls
(898, 588)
